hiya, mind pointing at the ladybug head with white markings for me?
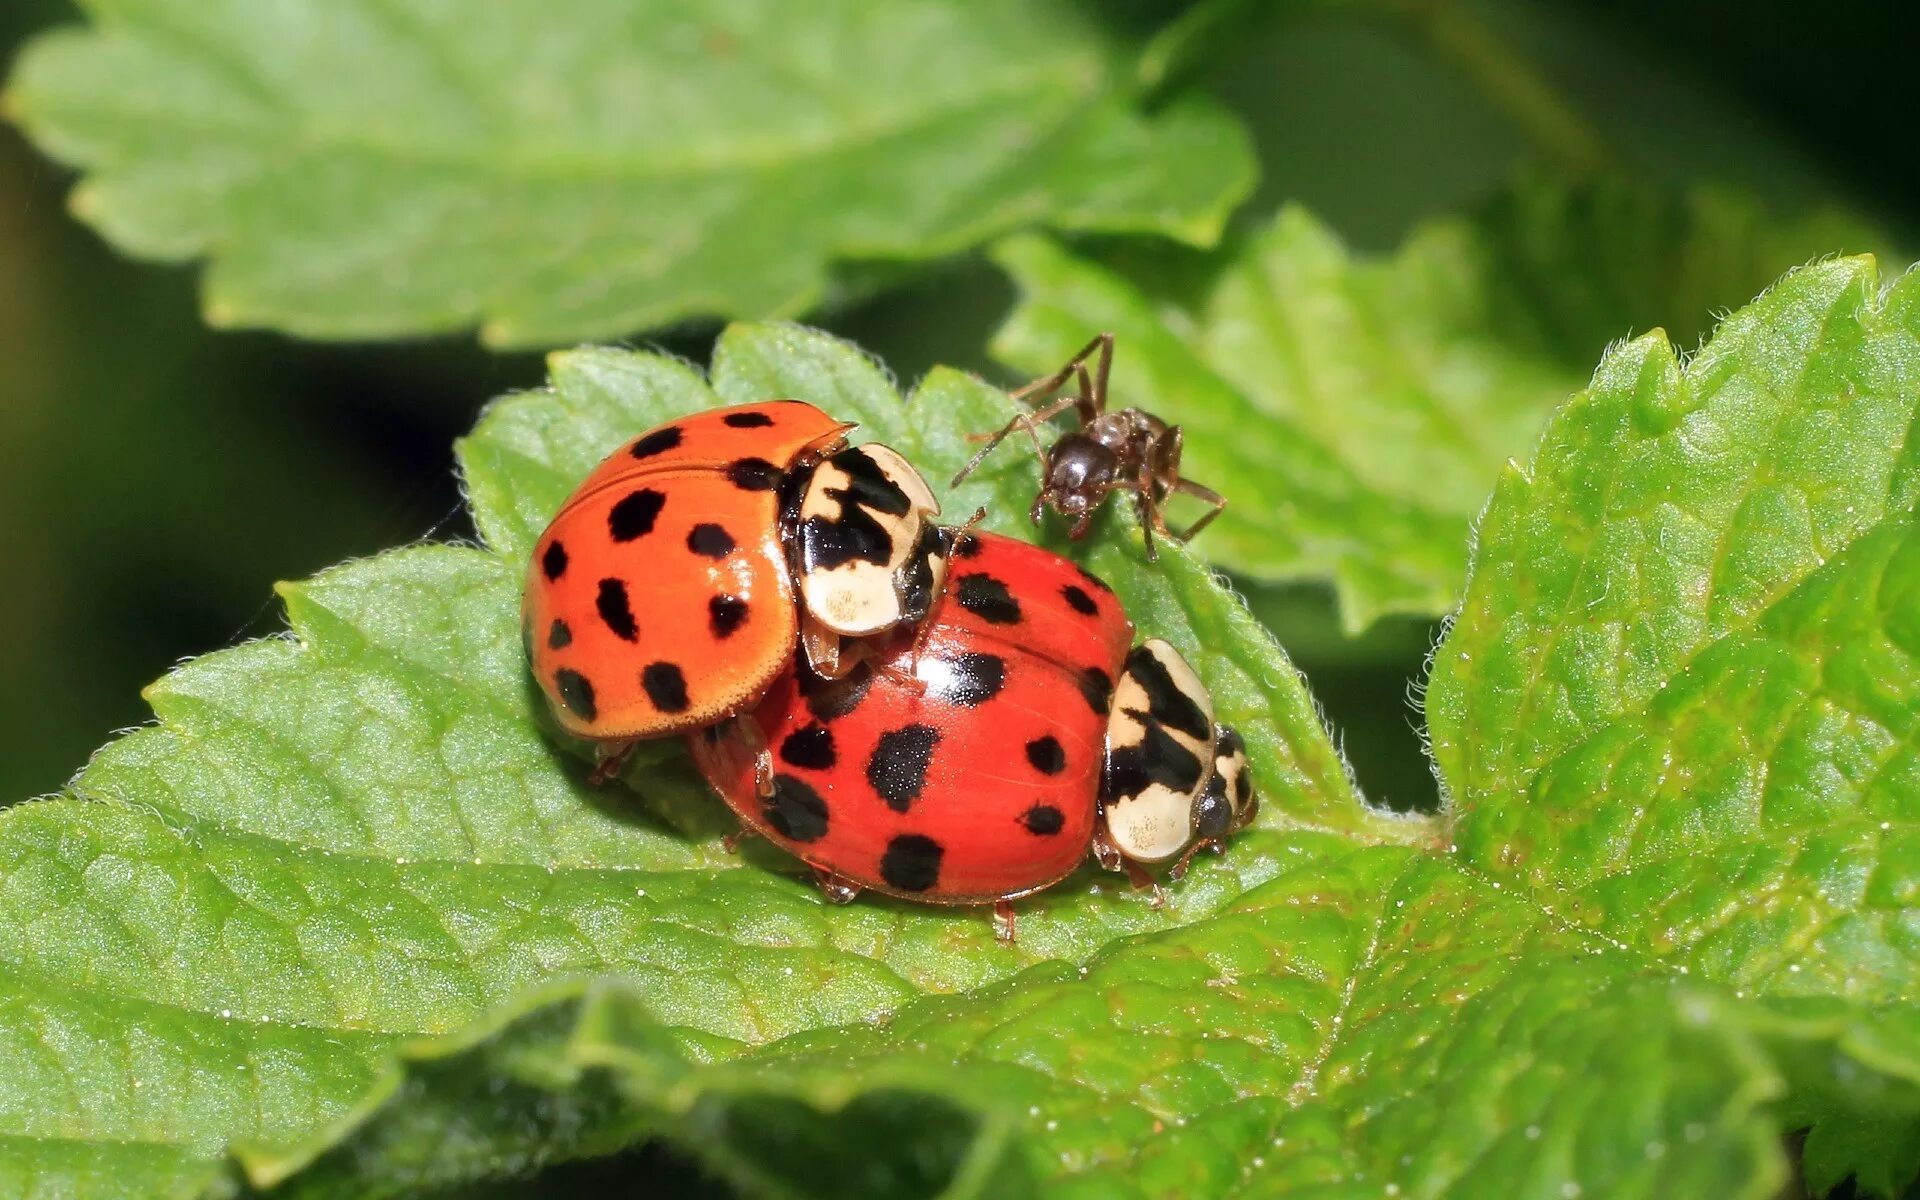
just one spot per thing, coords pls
(867, 555)
(1176, 781)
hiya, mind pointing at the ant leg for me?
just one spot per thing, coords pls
(1085, 403)
(1103, 344)
(1149, 517)
(1200, 492)
(1104, 365)
(1028, 421)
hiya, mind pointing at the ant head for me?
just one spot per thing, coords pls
(1079, 472)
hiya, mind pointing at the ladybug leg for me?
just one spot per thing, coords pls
(1110, 859)
(821, 646)
(1179, 869)
(610, 763)
(1141, 881)
(1003, 922)
(731, 842)
(837, 889)
(904, 678)
(736, 738)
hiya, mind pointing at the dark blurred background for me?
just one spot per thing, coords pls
(156, 477)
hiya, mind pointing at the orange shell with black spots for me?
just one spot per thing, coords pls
(660, 598)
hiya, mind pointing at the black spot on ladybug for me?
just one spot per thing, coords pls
(973, 679)
(1093, 579)
(1080, 601)
(559, 637)
(724, 615)
(1097, 686)
(1166, 702)
(912, 862)
(967, 547)
(554, 562)
(867, 485)
(634, 515)
(810, 746)
(575, 693)
(831, 699)
(1045, 754)
(709, 540)
(665, 686)
(987, 598)
(1156, 758)
(897, 768)
(615, 613)
(1043, 820)
(795, 811)
(747, 420)
(753, 475)
(658, 442)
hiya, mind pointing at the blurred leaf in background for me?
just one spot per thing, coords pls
(588, 168)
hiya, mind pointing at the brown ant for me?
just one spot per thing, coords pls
(1129, 450)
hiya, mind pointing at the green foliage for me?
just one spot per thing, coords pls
(347, 923)
(1356, 410)
(588, 168)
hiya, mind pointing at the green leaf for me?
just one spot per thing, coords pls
(1356, 411)
(338, 842)
(346, 922)
(589, 168)
(1681, 700)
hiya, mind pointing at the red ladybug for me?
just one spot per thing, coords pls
(984, 759)
(662, 597)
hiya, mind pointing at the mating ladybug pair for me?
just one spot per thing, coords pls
(953, 717)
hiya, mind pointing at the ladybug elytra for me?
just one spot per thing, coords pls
(662, 597)
(986, 758)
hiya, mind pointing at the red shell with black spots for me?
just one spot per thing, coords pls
(964, 773)
(660, 598)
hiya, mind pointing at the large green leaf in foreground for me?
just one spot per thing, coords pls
(587, 168)
(1356, 410)
(234, 935)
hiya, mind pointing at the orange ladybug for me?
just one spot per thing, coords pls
(674, 584)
